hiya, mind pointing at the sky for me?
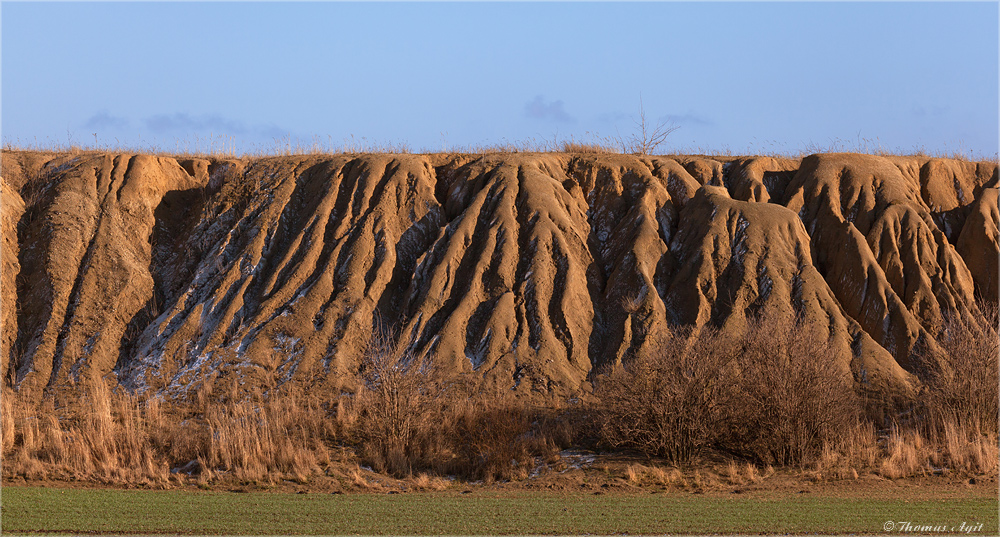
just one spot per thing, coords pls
(773, 78)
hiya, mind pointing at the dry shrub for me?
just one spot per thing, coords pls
(494, 439)
(788, 396)
(667, 402)
(397, 395)
(407, 416)
(966, 394)
(771, 396)
(646, 137)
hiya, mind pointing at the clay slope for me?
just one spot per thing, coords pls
(530, 271)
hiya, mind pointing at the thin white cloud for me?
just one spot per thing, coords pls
(185, 123)
(179, 122)
(689, 118)
(104, 120)
(539, 108)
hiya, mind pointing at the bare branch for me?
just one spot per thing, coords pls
(647, 138)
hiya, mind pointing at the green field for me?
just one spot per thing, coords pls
(48, 510)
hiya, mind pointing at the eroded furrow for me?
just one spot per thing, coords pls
(529, 271)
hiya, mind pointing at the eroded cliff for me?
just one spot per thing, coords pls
(531, 270)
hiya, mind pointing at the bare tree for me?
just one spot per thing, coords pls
(648, 137)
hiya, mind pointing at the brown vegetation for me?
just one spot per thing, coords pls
(772, 395)
(408, 416)
(763, 400)
(405, 420)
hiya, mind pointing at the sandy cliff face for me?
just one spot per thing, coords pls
(530, 270)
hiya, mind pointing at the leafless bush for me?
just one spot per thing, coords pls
(408, 417)
(966, 393)
(667, 402)
(770, 396)
(648, 137)
(397, 393)
(788, 395)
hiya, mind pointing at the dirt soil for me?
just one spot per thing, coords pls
(530, 270)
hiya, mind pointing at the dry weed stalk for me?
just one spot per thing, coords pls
(122, 438)
(967, 393)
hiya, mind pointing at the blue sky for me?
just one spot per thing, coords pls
(737, 77)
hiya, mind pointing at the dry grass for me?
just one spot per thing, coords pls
(693, 396)
(592, 148)
(105, 439)
(283, 436)
(903, 457)
(424, 481)
(401, 422)
(744, 474)
(121, 438)
(853, 451)
(643, 141)
(641, 475)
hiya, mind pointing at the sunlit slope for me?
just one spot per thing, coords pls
(530, 271)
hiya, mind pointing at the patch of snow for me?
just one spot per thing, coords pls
(478, 355)
(764, 283)
(739, 247)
